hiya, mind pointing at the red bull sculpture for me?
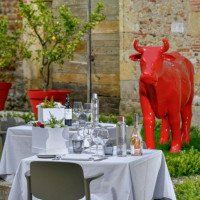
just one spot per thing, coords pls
(166, 89)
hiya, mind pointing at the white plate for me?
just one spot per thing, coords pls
(46, 156)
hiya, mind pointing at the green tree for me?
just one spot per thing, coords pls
(58, 35)
(9, 46)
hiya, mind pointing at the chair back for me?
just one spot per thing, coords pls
(6, 122)
(57, 180)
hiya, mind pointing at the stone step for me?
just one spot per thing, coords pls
(4, 189)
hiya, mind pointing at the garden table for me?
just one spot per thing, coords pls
(125, 178)
(18, 145)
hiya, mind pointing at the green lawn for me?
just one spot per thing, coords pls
(194, 141)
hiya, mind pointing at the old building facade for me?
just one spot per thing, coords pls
(114, 77)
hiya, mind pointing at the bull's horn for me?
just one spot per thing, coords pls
(137, 48)
(166, 45)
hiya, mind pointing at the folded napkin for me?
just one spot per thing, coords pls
(80, 157)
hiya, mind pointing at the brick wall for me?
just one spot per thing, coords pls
(17, 94)
(150, 21)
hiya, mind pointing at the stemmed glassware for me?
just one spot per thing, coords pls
(96, 139)
(77, 109)
(87, 109)
(87, 132)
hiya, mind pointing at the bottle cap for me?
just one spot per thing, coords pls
(94, 95)
(121, 119)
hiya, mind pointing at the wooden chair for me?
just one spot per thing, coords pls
(58, 181)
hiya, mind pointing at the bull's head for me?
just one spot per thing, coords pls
(151, 61)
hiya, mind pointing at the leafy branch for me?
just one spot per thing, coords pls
(58, 36)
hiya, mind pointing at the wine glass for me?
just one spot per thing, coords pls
(87, 132)
(103, 136)
(87, 109)
(77, 108)
(96, 139)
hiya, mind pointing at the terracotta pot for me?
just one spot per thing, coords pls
(4, 89)
(38, 96)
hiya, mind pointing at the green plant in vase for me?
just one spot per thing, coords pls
(52, 123)
(50, 103)
(58, 35)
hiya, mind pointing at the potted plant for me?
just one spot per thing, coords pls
(8, 55)
(48, 108)
(48, 137)
(57, 35)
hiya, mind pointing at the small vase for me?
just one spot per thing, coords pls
(49, 140)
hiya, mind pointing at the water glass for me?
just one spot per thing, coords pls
(77, 146)
(103, 136)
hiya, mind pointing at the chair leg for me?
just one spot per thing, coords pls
(87, 190)
(3, 141)
(28, 178)
(3, 138)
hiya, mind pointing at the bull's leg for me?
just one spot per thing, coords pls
(174, 120)
(164, 134)
(186, 115)
(149, 122)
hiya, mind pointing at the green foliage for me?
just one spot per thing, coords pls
(111, 118)
(184, 164)
(48, 104)
(27, 117)
(52, 122)
(58, 35)
(195, 130)
(8, 48)
(129, 119)
(189, 189)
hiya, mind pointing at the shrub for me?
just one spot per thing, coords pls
(27, 117)
(184, 164)
(189, 189)
(111, 118)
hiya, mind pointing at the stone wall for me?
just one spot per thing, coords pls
(105, 64)
(149, 21)
(114, 76)
(17, 94)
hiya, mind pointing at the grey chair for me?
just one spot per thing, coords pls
(58, 181)
(5, 123)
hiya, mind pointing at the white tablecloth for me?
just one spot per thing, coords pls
(18, 145)
(125, 178)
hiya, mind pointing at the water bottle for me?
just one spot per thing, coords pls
(121, 137)
(94, 109)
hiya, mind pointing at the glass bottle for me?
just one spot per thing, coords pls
(136, 139)
(94, 109)
(121, 137)
(68, 112)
